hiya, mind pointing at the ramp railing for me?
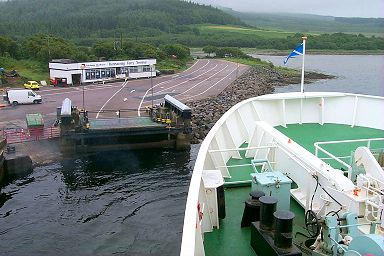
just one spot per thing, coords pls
(19, 135)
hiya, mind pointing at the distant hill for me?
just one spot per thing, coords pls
(310, 23)
(105, 18)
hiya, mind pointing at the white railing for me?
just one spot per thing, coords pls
(214, 151)
(338, 159)
(240, 149)
(374, 193)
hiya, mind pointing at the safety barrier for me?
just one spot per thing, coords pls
(338, 158)
(115, 113)
(18, 135)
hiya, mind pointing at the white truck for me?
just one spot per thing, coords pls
(22, 96)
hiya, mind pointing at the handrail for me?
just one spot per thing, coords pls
(318, 147)
(333, 157)
(240, 149)
(238, 165)
(367, 186)
(346, 141)
(329, 158)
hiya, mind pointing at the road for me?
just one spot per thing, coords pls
(206, 77)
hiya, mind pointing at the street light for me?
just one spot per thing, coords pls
(151, 67)
(49, 49)
(81, 81)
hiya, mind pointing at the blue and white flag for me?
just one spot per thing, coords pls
(298, 51)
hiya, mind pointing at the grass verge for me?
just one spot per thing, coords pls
(173, 65)
(27, 69)
(259, 62)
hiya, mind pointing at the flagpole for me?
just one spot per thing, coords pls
(302, 68)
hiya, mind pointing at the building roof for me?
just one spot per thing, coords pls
(63, 61)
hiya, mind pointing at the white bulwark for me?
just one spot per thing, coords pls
(66, 72)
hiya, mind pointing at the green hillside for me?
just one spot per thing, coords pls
(105, 19)
(229, 30)
(311, 23)
(248, 37)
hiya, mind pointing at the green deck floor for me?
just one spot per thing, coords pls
(240, 173)
(307, 134)
(230, 239)
(119, 123)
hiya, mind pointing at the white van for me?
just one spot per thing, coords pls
(26, 96)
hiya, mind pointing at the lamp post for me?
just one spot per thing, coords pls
(81, 81)
(151, 67)
(49, 49)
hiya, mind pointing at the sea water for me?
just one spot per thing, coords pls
(131, 202)
(115, 203)
(361, 74)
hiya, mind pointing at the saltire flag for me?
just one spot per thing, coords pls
(298, 51)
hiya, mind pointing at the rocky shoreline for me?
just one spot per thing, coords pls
(256, 81)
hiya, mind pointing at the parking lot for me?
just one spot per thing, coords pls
(203, 79)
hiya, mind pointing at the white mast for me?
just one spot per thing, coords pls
(302, 68)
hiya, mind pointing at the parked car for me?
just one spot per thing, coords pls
(33, 85)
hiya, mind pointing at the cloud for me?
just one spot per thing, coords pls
(339, 8)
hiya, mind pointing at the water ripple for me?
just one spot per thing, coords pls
(126, 201)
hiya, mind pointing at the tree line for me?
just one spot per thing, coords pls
(44, 47)
(104, 19)
(336, 41)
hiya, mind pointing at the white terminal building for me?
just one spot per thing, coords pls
(66, 72)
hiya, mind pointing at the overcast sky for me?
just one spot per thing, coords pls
(339, 8)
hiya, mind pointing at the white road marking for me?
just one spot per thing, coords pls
(221, 70)
(209, 87)
(203, 80)
(92, 88)
(165, 82)
(186, 81)
(193, 96)
(101, 109)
